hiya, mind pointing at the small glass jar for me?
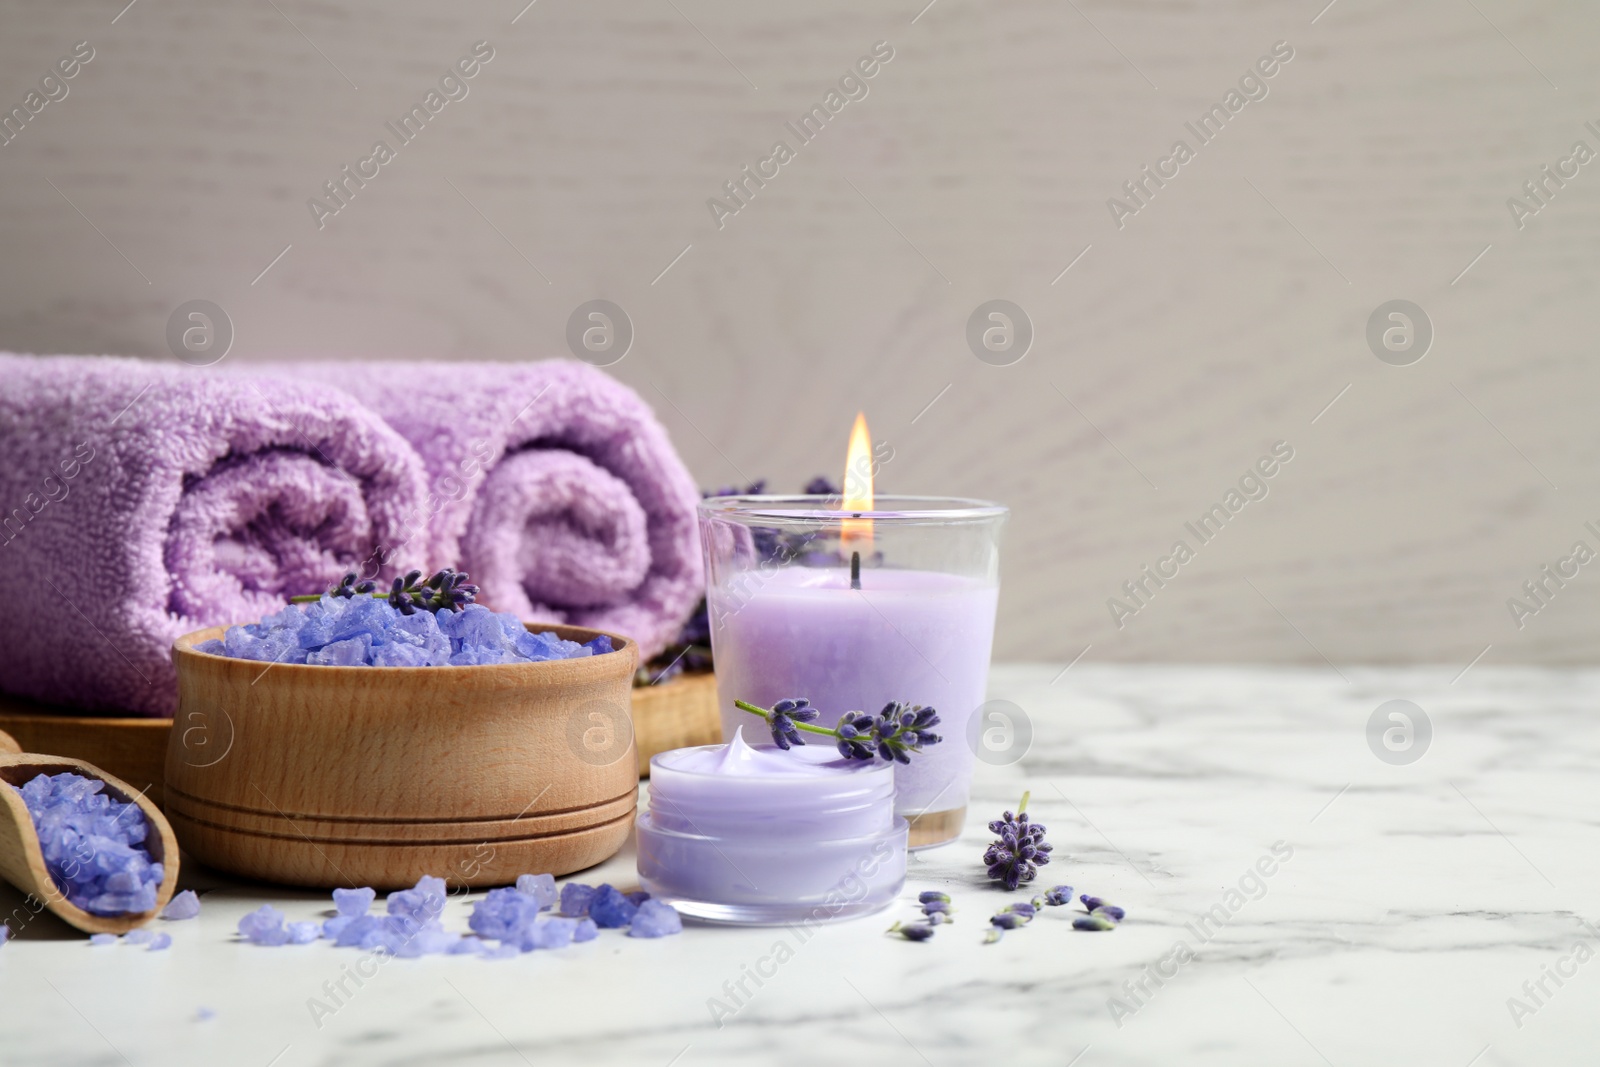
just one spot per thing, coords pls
(854, 609)
(755, 835)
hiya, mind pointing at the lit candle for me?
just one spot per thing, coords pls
(902, 610)
(747, 833)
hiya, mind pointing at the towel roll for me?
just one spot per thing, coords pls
(552, 483)
(142, 501)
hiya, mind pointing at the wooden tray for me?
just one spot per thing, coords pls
(671, 715)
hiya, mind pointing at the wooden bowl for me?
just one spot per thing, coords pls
(351, 776)
(22, 862)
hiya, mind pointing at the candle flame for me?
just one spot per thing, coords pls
(856, 534)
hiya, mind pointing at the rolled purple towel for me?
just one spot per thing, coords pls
(553, 485)
(140, 501)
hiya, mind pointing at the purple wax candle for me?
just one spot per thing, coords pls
(913, 621)
(743, 833)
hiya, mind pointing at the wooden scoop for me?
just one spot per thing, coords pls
(22, 862)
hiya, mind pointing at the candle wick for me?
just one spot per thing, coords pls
(855, 570)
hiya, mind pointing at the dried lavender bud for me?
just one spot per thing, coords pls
(937, 907)
(912, 931)
(1003, 921)
(1027, 911)
(1094, 904)
(1058, 895)
(348, 587)
(929, 896)
(934, 918)
(785, 713)
(1094, 921)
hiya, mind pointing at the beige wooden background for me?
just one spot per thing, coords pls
(1225, 316)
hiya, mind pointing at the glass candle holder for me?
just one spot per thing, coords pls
(853, 610)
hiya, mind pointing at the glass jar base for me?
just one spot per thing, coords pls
(933, 828)
(774, 914)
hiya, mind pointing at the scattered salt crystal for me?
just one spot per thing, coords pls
(503, 914)
(423, 902)
(264, 926)
(203, 1013)
(186, 905)
(541, 887)
(304, 933)
(656, 919)
(354, 902)
(160, 943)
(139, 937)
(102, 939)
(610, 909)
(575, 899)
(361, 631)
(586, 930)
(548, 932)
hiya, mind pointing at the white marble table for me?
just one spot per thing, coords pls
(1417, 900)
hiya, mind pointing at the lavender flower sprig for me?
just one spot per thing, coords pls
(893, 734)
(1019, 851)
(447, 590)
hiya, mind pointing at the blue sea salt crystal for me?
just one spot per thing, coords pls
(401, 655)
(424, 903)
(101, 940)
(478, 657)
(586, 930)
(503, 914)
(160, 943)
(363, 931)
(350, 652)
(599, 646)
(354, 902)
(541, 887)
(548, 932)
(404, 937)
(610, 910)
(467, 946)
(186, 905)
(575, 898)
(304, 933)
(264, 926)
(656, 919)
(637, 897)
(142, 936)
(336, 631)
(92, 844)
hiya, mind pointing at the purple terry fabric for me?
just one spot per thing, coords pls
(553, 485)
(140, 501)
